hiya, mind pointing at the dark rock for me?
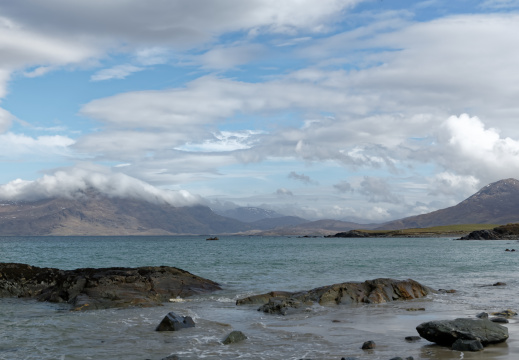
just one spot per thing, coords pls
(413, 338)
(445, 291)
(101, 288)
(370, 292)
(396, 358)
(368, 345)
(174, 322)
(500, 320)
(352, 234)
(409, 358)
(349, 358)
(482, 315)
(499, 283)
(467, 345)
(446, 332)
(415, 309)
(280, 305)
(171, 357)
(482, 235)
(234, 337)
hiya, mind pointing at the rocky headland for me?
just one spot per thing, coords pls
(503, 232)
(103, 288)
(369, 292)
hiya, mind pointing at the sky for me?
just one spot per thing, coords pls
(359, 110)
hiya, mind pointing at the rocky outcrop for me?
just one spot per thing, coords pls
(101, 288)
(370, 291)
(447, 332)
(504, 232)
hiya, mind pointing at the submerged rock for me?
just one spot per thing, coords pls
(234, 337)
(101, 288)
(368, 292)
(467, 345)
(446, 332)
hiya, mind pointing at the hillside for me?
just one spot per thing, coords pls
(496, 203)
(101, 215)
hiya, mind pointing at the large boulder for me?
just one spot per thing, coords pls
(101, 288)
(447, 332)
(369, 292)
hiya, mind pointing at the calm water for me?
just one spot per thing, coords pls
(250, 265)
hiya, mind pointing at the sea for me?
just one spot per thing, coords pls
(249, 265)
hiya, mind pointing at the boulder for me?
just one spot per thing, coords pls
(280, 305)
(101, 288)
(174, 322)
(368, 345)
(467, 345)
(446, 332)
(234, 337)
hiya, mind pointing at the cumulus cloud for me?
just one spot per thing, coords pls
(471, 149)
(305, 179)
(75, 182)
(451, 184)
(14, 145)
(6, 119)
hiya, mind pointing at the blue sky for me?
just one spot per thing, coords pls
(364, 110)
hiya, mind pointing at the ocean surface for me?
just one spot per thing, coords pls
(253, 265)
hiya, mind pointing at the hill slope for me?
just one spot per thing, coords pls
(496, 203)
(100, 215)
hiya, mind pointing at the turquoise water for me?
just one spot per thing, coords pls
(250, 265)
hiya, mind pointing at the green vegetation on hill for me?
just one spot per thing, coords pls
(435, 231)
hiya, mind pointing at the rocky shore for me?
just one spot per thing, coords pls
(504, 232)
(101, 288)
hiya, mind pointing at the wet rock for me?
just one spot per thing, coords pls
(467, 345)
(234, 337)
(413, 338)
(368, 345)
(415, 309)
(174, 322)
(482, 315)
(499, 283)
(369, 292)
(101, 288)
(349, 358)
(446, 332)
(446, 291)
(396, 358)
(280, 305)
(499, 320)
(505, 313)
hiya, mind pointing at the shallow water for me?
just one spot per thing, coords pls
(251, 265)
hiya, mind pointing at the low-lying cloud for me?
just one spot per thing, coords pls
(77, 181)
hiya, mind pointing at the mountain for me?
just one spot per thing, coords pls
(101, 215)
(249, 214)
(496, 203)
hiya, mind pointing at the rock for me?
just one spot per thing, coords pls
(396, 358)
(500, 320)
(349, 358)
(280, 305)
(368, 345)
(369, 292)
(482, 315)
(413, 338)
(415, 309)
(174, 322)
(446, 291)
(352, 234)
(101, 288)
(505, 313)
(171, 357)
(482, 235)
(234, 337)
(446, 332)
(467, 345)
(499, 283)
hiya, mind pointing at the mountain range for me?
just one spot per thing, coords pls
(97, 214)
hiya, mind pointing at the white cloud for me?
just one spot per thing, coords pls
(378, 190)
(303, 178)
(6, 119)
(74, 182)
(284, 192)
(15, 145)
(224, 57)
(447, 183)
(116, 72)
